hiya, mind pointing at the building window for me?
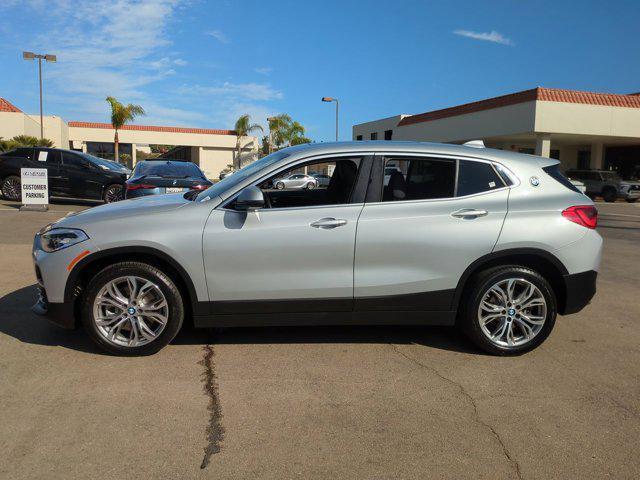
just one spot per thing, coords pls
(528, 151)
(359, 137)
(555, 154)
(374, 136)
(388, 134)
(584, 159)
(107, 149)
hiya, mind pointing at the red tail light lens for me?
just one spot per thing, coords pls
(585, 215)
(199, 187)
(138, 186)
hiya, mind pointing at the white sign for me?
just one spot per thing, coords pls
(42, 156)
(35, 186)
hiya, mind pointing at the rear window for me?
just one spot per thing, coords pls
(554, 172)
(166, 169)
(477, 177)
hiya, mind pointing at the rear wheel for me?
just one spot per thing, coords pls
(632, 200)
(310, 186)
(279, 185)
(609, 195)
(132, 308)
(113, 193)
(509, 310)
(12, 188)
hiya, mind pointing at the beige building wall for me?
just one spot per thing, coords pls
(377, 126)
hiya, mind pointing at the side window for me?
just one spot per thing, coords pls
(332, 184)
(50, 157)
(476, 177)
(71, 160)
(21, 153)
(418, 179)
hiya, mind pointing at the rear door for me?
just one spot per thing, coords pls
(417, 234)
(50, 159)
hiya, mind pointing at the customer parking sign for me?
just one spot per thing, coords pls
(35, 186)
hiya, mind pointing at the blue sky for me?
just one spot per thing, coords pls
(200, 63)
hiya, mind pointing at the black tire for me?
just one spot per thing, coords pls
(279, 185)
(113, 193)
(143, 270)
(632, 200)
(468, 319)
(609, 195)
(12, 188)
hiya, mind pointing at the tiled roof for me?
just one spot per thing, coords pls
(6, 106)
(540, 94)
(150, 128)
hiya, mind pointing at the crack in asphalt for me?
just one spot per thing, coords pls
(472, 402)
(215, 430)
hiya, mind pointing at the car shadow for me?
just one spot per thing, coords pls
(18, 321)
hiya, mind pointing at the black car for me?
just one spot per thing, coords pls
(153, 177)
(70, 174)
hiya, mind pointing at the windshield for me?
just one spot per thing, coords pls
(102, 162)
(167, 169)
(611, 176)
(231, 181)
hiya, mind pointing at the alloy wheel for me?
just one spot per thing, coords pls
(113, 194)
(130, 311)
(512, 312)
(12, 189)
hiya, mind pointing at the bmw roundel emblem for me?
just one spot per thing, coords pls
(175, 181)
(535, 181)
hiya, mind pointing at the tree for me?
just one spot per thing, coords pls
(24, 141)
(120, 115)
(300, 140)
(243, 128)
(278, 126)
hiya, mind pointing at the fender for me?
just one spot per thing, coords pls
(198, 308)
(493, 256)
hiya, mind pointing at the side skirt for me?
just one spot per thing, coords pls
(413, 317)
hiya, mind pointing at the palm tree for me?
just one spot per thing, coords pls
(278, 126)
(24, 141)
(120, 115)
(243, 128)
(294, 133)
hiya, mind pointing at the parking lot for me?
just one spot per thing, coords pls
(356, 402)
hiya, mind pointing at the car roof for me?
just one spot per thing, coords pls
(503, 156)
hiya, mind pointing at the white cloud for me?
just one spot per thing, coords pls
(247, 91)
(218, 35)
(491, 36)
(263, 70)
(180, 62)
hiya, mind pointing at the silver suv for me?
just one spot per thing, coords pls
(606, 184)
(494, 242)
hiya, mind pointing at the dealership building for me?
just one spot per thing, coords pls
(212, 149)
(581, 129)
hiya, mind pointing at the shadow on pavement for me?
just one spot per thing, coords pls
(18, 321)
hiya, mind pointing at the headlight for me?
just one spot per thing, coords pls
(53, 239)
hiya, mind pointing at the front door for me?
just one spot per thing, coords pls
(85, 179)
(279, 258)
(416, 239)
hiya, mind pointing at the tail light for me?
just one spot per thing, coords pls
(199, 187)
(138, 186)
(585, 215)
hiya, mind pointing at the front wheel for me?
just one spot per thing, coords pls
(12, 188)
(279, 185)
(310, 186)
(131, 309)
(113, 193)
(509, 310)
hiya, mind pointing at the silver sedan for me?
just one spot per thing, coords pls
(296, 181)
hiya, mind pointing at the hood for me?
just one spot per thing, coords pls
(147, 205)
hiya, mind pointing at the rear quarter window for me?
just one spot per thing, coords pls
(554, 172)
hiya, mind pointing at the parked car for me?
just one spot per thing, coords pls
(606, 184)
(322, 179)
(154, 177)
(111, 165)
(492, 241)
(70, 174)
(579, 185)
(295, 181)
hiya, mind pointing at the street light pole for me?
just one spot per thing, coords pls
(331, 99)
(48, 58)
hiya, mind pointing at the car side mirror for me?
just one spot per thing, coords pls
(251, 198)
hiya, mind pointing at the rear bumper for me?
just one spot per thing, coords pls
(59, 313)
(580, 289)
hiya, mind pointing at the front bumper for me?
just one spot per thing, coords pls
(59, 313)
(580, 289)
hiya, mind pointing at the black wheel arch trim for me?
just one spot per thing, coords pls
(489, 258)
(197, 307)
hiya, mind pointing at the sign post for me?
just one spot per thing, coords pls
(35, 189)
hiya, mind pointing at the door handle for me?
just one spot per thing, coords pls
(469, 213)
(329, 222)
